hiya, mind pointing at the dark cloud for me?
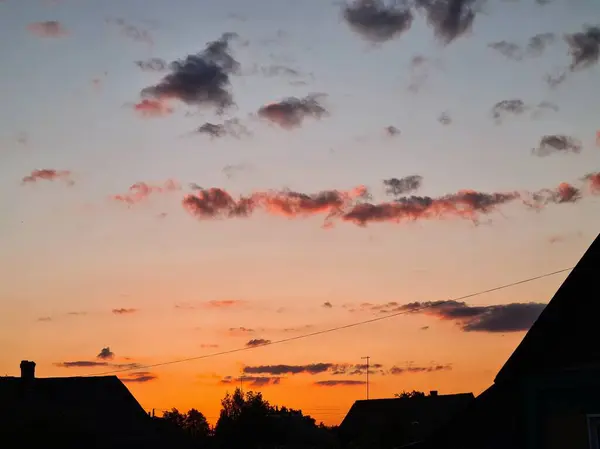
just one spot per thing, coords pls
(516, 106)
(95, 363)
(48, 174)
(402, 186)
(252, 381)
(508, 49)
(444, 118)
(339, 383)
(45, 319)
(50, 28)
(200, 79)
(209, 346)
(557, 143)
(376, 21)
(140, 191)
(449, 19)
(313, 368)
(124, 311)
(392, 131)
(106, 354)
(535, 47)
(564, 193)
(152, 65)
(257, 342)
(327, 305)
(81, 364)
(291, 112)
(397, 371)
(538, 43)
(139, 377)
(240, 330)
(217, 203)
(584, 47)
(512, 317)
(465, 204)
(504, 107)
(131, 31)
(316, 368)
(232, 127)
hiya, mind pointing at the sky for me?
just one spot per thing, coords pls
(184, 178)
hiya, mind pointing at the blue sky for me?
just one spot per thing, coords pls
(66, 248)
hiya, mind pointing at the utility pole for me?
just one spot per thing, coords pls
(367, 358)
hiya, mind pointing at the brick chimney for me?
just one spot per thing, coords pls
(433, 393)
(27, 370)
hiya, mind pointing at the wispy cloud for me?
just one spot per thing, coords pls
(151, 107)
(339, 383)
(411, 369)
(252, 381)
(48, 174)
(50, 28)
(124, 311)
(140, 191)
(130, 31)
(139, 377)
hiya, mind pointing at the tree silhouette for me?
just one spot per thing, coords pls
(410, 394)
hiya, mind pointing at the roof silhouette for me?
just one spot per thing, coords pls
(564, 335)
(401, 420)
(99, 411)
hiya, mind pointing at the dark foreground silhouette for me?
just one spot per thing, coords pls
(248, 421)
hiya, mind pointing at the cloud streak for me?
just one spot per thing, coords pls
(501, 318)
(140, 191)
(124, 311)
(48, 174)
(47, 29)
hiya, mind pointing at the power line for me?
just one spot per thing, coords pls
(335, 329)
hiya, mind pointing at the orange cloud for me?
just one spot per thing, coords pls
(48, 174)
(593, 180)
(224, 303)
(141, 190)
(217, 203)
(50, 28)
(153, 108)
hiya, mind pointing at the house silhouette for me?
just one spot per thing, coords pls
(547, 394)
(390, 423)
(69, 412)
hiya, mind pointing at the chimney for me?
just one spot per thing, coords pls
(433, 393)
(27, 370)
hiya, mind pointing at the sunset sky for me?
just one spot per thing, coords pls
(261, 217)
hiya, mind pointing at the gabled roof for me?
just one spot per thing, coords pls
(95, 407)
(402, 420)
(564, 335)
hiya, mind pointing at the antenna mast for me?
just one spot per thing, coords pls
(367, 359)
